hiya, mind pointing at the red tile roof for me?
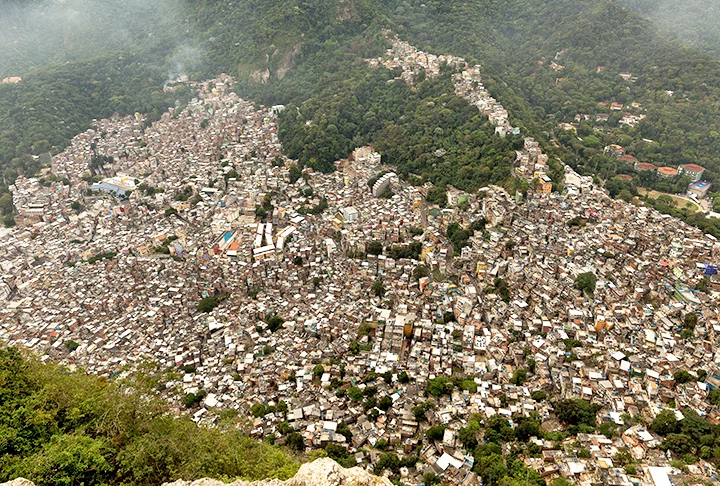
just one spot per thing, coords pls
(692, 168)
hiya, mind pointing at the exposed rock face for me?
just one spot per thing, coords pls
(18, 482)
(321, 472)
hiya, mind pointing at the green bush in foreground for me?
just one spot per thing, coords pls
(58, 427)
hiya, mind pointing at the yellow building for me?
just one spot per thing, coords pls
(544, 185)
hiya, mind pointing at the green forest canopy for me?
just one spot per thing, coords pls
(61, 427)
(313, 47)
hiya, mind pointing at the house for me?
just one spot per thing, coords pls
(626, 76)
(693, 171)
(350, 214)
(645, 166)
(615, 150)
(667, 172)
(630, 159)
(545, 185)
(699, 189)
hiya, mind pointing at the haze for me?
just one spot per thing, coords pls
(36, 33)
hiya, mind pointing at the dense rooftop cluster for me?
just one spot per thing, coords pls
(377, 323)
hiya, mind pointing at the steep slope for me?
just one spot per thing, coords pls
(693, 22)
(540, 59)
(321, 472)
(62, 427)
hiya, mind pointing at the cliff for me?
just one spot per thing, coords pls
(321, 472)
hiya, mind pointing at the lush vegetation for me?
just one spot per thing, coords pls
(314, 63)
(61, 427)
(690, 21)
(428, 133)
(690, 438)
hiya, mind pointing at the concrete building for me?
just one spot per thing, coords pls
(693, 171)
(667, 172)
(699, 189)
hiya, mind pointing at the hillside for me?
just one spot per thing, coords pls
(693, 22)
(320, 40)
(62, 427)
(35, 34)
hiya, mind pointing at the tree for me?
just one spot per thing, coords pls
(586, 282)
(318, 370)
(274, 323)
(208, 304)
(519, 376)
(370, 391)
(388, 460)
(625, 195)
(6, 204)
(258, 410)
(526, 429)
(71, 345)
(665, 423)
(375, 248)
(437, 195)
(70, 459)
(665, 200)
(575, 411)
(677, 443)
(344, 430)
(468, 435)
(420, 271)
(431, 479)
(385, 403)
(378, 288)
(498, 430)
(190, 400)
(695, 426)
(714, 396)
(682, 376)
(491, 468)
(437, 386)
(355, 394)
(295, 441)
(294, 173)
(420, 410)
(435, 433)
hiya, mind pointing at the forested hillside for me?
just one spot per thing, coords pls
(35, 33)
(521, 40)
(58, 427)
(428, 133)
(547, 62)
(693, 22)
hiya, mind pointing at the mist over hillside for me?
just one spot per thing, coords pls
(693, 22)
(35, 33)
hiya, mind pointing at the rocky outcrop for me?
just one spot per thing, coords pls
(321, 472)
(18, 482)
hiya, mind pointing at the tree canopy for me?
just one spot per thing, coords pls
(63, 427)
